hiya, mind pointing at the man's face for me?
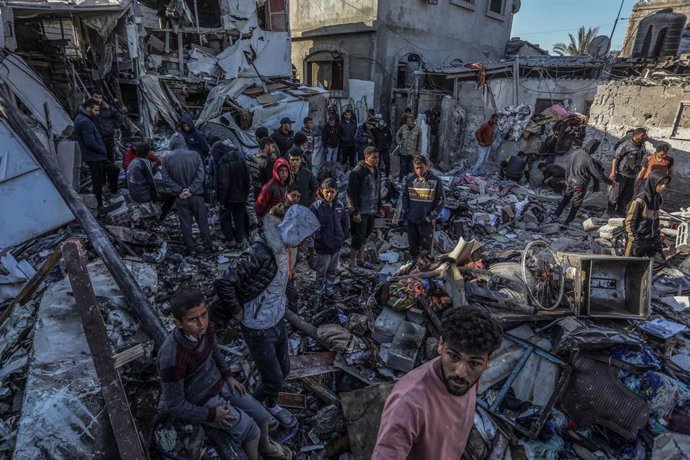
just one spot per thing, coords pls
(283, 174)
(662, 154)
(460, 371)
(331, 122)
(98, 98)
(662, 186)
(95, 111)
(369, 126)
(640, 138)
(295, 163)
(287, 127)
(410, 122)
(194, 321)
(420, 169)
(293, 197)
(269, 149)
(310, 124)
(348, 115)
(372, 160)
(186, 127)
(328, 194)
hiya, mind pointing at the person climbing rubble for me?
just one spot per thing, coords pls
(198, 386)
(626, 165)
(642, 220)
(183, 175)
(514, 167)
(252, 291)
(364, 204)
(275, 189)
(581, 171)
(328, 240)
(423, 199)
(431, 410)
(485, 138)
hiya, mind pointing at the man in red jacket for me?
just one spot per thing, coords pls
(485, 137)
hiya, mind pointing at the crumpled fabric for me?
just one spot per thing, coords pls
(340, 339)
(298, 224)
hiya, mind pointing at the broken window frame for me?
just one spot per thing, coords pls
(493, 14)
(273, 15)
(676, 121)
(467, 4)
(327, 57)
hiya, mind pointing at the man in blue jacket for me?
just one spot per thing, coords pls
(93, 149)
(423, 199)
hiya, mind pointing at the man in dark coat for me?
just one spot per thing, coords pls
(364, 137)
(194, 139)
(93, 149)
(331, 139)
(347, 131)
(284, 137)
(109, 122)
(626, 165)
(232, 190)
(383, 138)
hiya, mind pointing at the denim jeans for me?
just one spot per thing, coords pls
(269, 349)
(405, 166)
(331, 154)
(326, 267)
(483, 155)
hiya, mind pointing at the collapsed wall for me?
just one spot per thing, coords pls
(622, 105)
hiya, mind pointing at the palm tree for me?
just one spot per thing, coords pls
(579, 46)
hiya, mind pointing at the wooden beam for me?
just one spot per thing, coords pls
(130, 289)
(124, 427)
(129, 355)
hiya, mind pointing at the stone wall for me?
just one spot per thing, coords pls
(620, 106)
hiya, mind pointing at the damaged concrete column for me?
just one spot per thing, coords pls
(131, 290)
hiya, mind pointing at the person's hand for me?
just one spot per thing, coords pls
(430, 220)
(612, 176)
(184, 194)
(236, 386)
(357, 218)
(223, 417)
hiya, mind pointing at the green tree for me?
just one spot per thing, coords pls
(579, 46)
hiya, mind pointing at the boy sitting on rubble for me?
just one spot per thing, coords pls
(335, 225)
(252, 290)
(198, 386)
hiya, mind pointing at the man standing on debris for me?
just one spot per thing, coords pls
(383, 138)
(252, 291)
(581, 171)
(642, 220)
(194, 139)
(109, 122)
(303, 178)
(93, 149)
(261, 164)
(660, 160)
(514, 167)
(485, 138)
(423, 199)
(626, 165)
(364, 137)
(197, 384)
(334, 227)
(364, 203)
(310, 133)
(409, 138)
(232, 189)
(140, 183)
(284, 137)
(347, 130)
(430, 412)
(183, 174)
(275, 189)
(330, 139)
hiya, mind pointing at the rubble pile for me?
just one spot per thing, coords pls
(595, 362)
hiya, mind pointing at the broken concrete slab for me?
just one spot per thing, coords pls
(405, 347)
(362, 410)
(386, 325)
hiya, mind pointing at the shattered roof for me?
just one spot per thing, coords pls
(526, 61)
(58, 5)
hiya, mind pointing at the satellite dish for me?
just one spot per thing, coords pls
(599, 47)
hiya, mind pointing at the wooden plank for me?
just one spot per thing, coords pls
(320, 391)
(124, 427)
(129, 355)
(292, 400)
(310, 364)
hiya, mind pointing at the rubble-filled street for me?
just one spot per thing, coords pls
(226, 234)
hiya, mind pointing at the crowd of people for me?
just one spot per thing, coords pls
(296, 211)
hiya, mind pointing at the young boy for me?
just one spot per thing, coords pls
(275, 189)
(252, 290)
(335, 225)
(198, 386)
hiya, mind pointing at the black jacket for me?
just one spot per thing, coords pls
(194, 138)
(642, 218)
(363, 139)
(330, 136)
(307, 184)
(335, 226)
(347, 131)
(383, 138)
(89, 137)
(140, 183)
(245, 279)
(283, 141)
(109, 120)
(582, 169)
(232, 175)
(358, 184)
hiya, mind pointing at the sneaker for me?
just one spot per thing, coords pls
(283, 416)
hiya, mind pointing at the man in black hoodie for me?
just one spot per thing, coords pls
(194, 139)
(284, 137)
(581, 171)
(383, 138)
(232, 190)
(331, 139)
(347, 131)
(93, 149)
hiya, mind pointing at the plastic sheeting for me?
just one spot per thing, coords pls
(159, 102)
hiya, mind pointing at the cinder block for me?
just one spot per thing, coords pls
(386, 325)
(405, 347)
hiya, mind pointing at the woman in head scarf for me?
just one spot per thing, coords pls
(642, 220)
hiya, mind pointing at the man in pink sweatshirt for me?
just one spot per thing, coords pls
(430, 412)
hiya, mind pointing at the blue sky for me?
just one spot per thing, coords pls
(547, 22)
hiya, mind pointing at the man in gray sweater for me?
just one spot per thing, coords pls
(183, 176)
